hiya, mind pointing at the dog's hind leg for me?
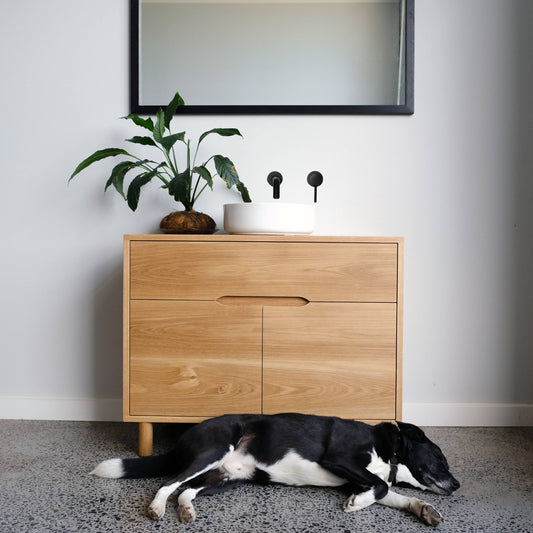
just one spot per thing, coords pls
(157, 508)
(211, 482)
(426, 512)
(186, 512)
(199, 466)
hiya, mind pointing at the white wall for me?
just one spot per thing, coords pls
(454, 179)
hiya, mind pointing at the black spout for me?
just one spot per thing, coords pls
(275, 179)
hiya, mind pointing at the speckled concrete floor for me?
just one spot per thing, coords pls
(45, 487)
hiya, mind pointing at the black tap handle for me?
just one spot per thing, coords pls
(274, 179)
(315, 179)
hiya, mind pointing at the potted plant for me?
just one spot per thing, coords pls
(185, 183)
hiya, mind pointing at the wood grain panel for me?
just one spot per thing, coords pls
(194, 358)
(399, 334)
(330, 359)
(328, 271)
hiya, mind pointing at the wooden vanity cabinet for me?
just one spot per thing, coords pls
(261, 324)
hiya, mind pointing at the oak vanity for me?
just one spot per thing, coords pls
(224, 324)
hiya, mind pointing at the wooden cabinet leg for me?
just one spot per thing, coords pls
(146, 439)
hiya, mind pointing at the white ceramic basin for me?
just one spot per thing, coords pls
(269, 218)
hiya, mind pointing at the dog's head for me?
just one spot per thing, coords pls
(424, 460)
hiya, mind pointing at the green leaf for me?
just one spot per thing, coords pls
(205, 174)
(226, 170)
(117, 176)
(225, 132)
(143, 122)
(119, 173)
(179, 187)
(244, 192)
(169, 141)
(142, 140)
(159, 128)
(171, 108)
(134, 190)
(97, 156)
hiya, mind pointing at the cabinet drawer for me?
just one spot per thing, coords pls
(194, 359)
(316, 271)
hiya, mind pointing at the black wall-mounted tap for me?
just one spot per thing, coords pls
(315, 179)
(275, 179)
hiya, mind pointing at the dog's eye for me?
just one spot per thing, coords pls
(421, 470)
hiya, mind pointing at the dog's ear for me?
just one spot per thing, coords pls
(412, 432)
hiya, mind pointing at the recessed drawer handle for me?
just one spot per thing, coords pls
(280, 301)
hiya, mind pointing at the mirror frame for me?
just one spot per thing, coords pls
(402, 109)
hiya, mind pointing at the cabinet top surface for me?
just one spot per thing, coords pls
(222, 237)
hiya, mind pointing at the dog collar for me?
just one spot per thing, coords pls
(393, 469)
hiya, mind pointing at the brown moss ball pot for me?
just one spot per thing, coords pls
(187, 222)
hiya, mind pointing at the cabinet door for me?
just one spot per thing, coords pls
(330, 359)
(194, 358)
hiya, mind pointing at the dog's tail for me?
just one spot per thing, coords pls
(139, 467)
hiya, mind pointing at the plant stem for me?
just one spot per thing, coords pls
(191, 198)
(169, 161)
(195, 154)
(201, 191)
(194, 192)
(173, 154)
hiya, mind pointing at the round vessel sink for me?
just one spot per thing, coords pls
(269, 218)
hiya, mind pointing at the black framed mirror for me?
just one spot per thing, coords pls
(273, 56)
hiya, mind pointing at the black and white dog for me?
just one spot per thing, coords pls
(296, 449)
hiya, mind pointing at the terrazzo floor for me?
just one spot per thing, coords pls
(45, 487)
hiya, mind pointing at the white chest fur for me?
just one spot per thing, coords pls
(378, 466)
(382, 469)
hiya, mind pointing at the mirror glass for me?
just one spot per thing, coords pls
(273, 56)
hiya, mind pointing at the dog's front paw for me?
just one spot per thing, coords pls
(430, 516)
(156, 511)
(351, 504)
(186, 513)
(356, 502)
